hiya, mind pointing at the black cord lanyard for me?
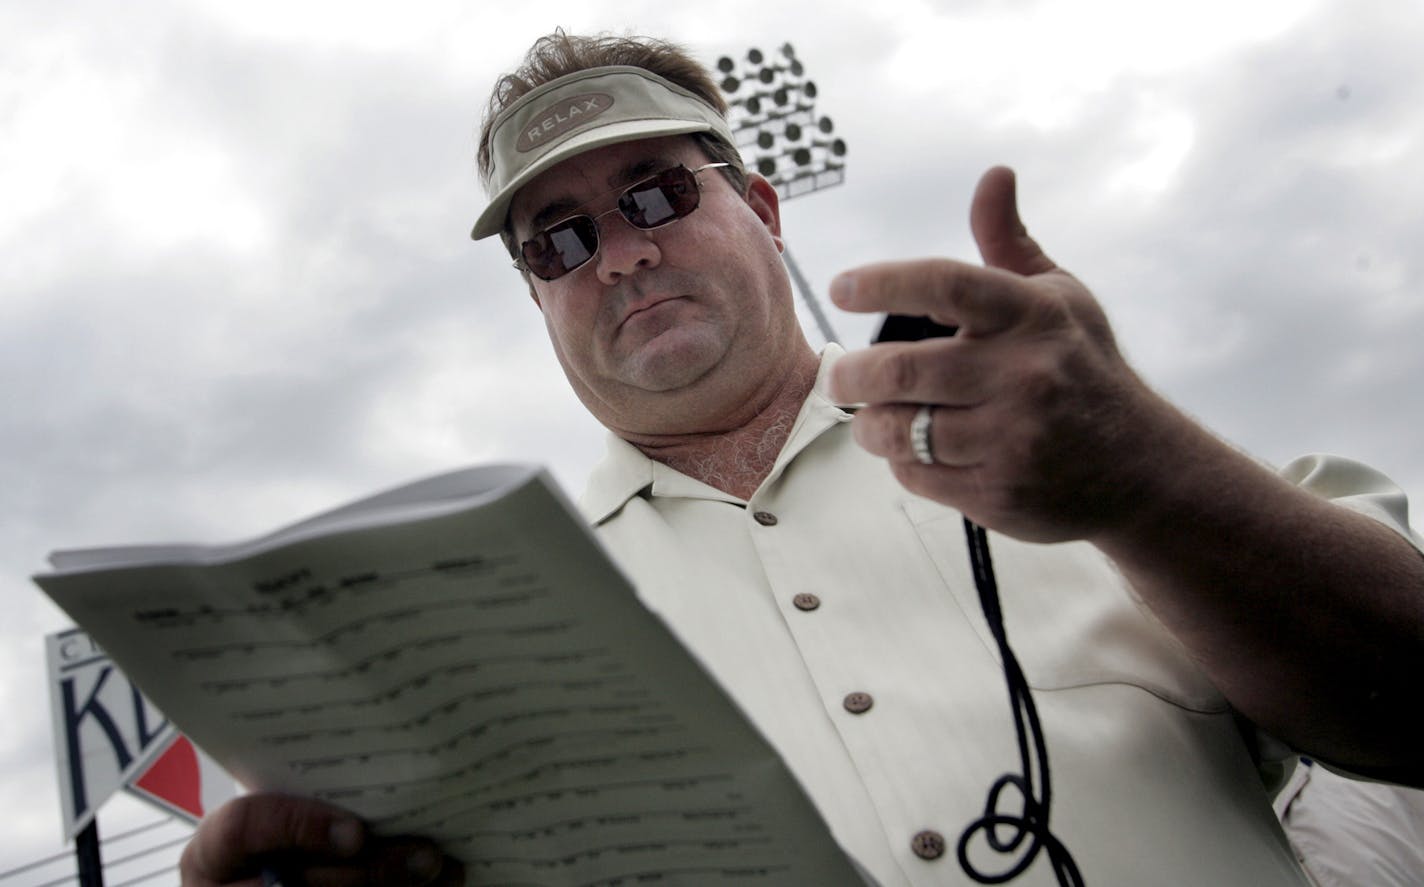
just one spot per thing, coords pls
(1027, 832)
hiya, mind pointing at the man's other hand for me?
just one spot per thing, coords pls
(306, 843)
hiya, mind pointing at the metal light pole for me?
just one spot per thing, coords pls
(773, 117)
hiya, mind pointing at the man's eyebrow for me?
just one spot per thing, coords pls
(640, 169)
(559, 208)
(562, 207)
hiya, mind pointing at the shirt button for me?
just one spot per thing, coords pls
(928, 844)
(858, 703)
(765, 518)
(806, 601)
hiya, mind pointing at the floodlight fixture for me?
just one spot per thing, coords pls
(772, 114)
(773, 117)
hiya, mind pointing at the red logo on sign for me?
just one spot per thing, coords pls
(175, 779)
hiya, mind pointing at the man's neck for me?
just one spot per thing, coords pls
(736, 461)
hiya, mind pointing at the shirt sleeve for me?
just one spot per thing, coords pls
(1349, 832)
(1355, 486)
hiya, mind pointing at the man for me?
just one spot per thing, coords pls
(1159, 586)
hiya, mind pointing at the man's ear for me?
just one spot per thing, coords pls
(529, 282)
(763, 199)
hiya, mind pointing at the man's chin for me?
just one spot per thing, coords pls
(670, 362)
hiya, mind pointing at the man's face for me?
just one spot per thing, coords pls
(670, 331)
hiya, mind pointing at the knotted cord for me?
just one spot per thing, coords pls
(1026, 832)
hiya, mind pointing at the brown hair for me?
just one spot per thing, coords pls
(557, 54)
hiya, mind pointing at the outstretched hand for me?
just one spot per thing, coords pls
(1039, 425)
(1042, 431)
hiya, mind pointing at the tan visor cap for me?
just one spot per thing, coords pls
(579, 112)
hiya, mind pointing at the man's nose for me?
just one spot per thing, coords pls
(623, 249)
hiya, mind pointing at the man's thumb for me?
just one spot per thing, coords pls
(1002, 238)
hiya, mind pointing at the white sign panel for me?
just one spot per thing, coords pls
(105, 731)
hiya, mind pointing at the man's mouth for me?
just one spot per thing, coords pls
(644, 307)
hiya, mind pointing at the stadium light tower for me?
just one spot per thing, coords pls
(773, 118)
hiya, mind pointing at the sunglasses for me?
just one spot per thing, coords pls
(652, 203)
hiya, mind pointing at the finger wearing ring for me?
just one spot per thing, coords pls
(920, 435)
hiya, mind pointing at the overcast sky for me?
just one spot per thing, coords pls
(236, 284)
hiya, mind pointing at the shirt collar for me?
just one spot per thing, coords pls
(625, 472)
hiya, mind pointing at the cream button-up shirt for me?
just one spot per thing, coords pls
(840, 612)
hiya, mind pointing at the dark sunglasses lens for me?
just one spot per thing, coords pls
(557, 250)
(664, 198)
